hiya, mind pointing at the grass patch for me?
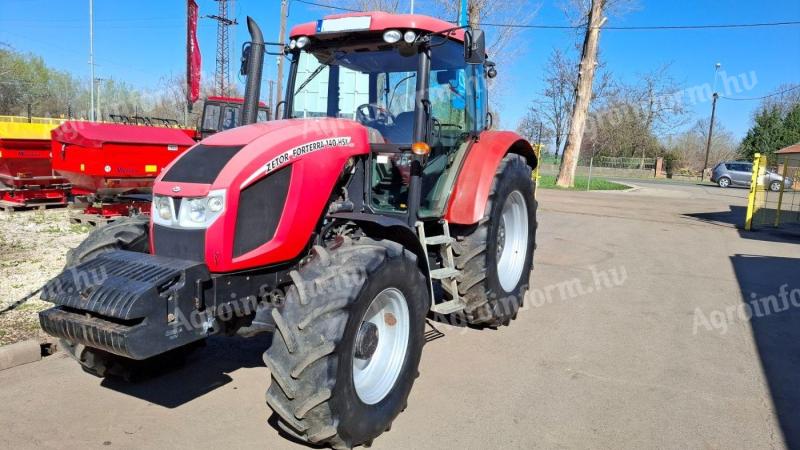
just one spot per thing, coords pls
(598, 184)
(78, 228)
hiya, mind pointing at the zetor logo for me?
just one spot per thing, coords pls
(297, 152)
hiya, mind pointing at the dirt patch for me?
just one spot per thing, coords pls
(32, 249)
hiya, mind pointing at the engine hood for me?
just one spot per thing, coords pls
(243, 155)
(306, 156)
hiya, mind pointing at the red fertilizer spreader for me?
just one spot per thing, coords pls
(26, 173)
(111, 167)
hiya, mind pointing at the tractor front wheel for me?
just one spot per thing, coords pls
(348, 343)
(495, 256)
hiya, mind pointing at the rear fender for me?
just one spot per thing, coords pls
(395, 230)
(467, 203)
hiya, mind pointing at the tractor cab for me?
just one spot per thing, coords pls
(224, 113)
(411, 81)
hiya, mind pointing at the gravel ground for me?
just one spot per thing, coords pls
(32, 248)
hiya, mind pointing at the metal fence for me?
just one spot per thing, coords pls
(610, 162)
(606, 166)
(774, 199)
(25, 119)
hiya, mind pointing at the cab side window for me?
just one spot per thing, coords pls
(211, 117)
(479, 98)
(231, 118)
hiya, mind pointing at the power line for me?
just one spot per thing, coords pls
(761, 98)
(582, 26)
(329, 6)
(647, 27)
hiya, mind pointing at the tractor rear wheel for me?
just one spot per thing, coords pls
(348, 343)
(495, 256)
(126, 233)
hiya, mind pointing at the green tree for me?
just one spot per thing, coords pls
(776, 124)
(791, 125)
(767, 134)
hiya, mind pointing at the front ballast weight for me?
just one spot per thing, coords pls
(138, 305)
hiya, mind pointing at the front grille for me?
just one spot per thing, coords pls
(260, 209)
(179, 243)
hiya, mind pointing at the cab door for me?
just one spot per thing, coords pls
(457, 95)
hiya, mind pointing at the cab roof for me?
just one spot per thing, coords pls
(378, 21)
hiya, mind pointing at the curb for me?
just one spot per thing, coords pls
(24, 352)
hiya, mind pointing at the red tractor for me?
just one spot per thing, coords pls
(390, 201)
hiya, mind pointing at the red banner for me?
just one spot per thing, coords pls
(192, 54)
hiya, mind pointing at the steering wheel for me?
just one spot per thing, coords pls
(370, 113)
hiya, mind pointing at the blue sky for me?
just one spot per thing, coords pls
(141, 41)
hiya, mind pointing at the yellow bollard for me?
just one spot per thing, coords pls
(751, 197)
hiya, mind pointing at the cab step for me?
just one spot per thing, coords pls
(439, 240)
(448, 273)
(448, 307)
(444, 273)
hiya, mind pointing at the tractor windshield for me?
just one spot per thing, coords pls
(376, 88)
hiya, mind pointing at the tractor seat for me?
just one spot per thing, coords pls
(402, 131)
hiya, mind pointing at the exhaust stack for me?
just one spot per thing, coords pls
(255, 65)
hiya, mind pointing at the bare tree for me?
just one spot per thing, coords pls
(583, 94)
(390, 6)
(533, 128)
(490, 14)
(688, 148)
(630, 118)
(555, 102)
(789, 97)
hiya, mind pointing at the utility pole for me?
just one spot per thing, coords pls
(271, 99)
(282, 41)
(710, 133)
(222, 75)
(91, 60)
(412, 6)
(711, 125)
(98, 81)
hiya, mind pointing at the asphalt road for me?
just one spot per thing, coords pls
(607, 354)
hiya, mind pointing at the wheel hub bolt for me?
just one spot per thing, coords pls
(366, 340)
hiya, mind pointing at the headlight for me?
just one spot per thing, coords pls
(409, 37)
(215, 204)
(194, 212)
(197, 209)
(302, 41)
(392, 36)
(201, 212)
(161, 210)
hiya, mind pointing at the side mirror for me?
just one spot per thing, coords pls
(245, 59)
(491, 72)
(474, 46)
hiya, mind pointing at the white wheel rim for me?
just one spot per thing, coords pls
(375, 377)
(723, 182)
(512, 241)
